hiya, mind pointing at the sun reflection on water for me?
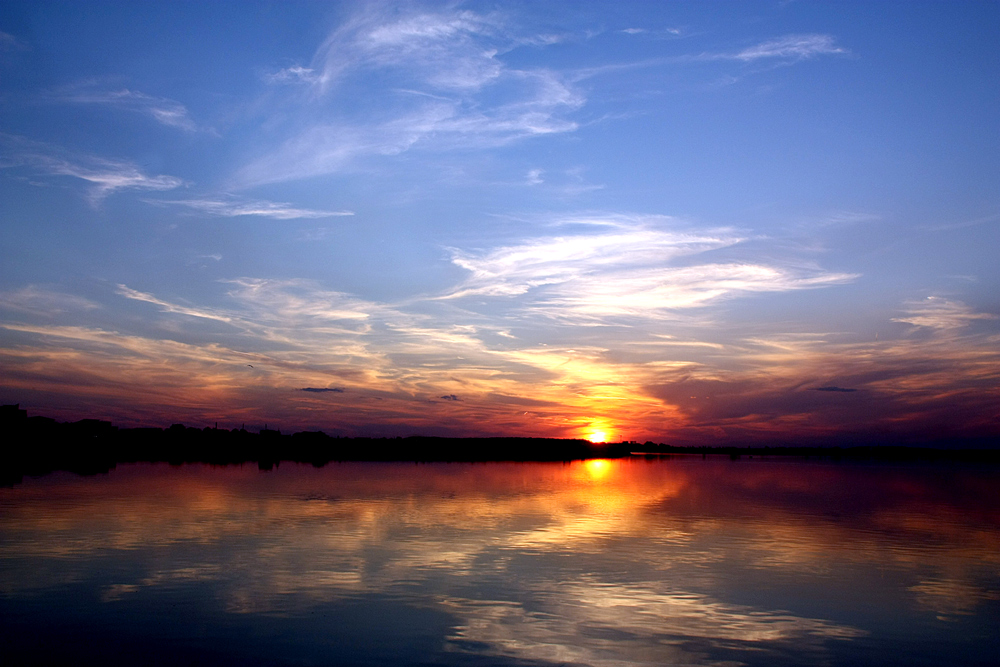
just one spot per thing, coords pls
(597, 469)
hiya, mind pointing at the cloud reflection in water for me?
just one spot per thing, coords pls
(623, 561)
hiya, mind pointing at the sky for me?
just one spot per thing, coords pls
(691, 223)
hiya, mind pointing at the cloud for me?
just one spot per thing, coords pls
(293, 302)
(559, 259)
(939, 313)
(9, 42)
(445, 49)
(914, 389)
(109, 176)
(645, 31)
(440, 125)
(790, 47)
(784, 50)
(161, 109)
(567, 182)
(294, 74)
(787, 49)
(390, 359)
(560, 631)
(230, 208)
(168, 307)
(634, 292)
(106, 176)
(445, 88)
(624, 267)
(974, 222)
(44, 301)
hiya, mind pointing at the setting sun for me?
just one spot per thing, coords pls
(598, 436)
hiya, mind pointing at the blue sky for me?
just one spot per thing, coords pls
(686, 222)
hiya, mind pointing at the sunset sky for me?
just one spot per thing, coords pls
(693, 223)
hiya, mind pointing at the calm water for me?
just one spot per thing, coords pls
(635, 562)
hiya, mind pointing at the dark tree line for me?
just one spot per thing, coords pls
(38, 445)
(35, 446)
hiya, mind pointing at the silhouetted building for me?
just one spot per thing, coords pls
(11, 414)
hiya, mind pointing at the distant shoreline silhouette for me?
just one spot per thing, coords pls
(40, 445)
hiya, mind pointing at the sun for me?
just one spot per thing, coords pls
(597, 436)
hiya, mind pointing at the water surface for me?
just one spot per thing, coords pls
(666, 561)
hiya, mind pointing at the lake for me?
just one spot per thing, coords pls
(664, 561)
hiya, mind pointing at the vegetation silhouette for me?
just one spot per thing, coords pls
(39, 445)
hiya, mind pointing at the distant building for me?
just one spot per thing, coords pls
(12, 413)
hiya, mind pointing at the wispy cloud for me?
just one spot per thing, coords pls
(446, 88)
(449, 50)
(9, 42)
(783, 50)
(168, 307)
(292, 75)
(943, 385)
(646, 31)
(296, 301)
(552, 260)
(644, 291)
(105, 176)
(624, 267)
(508, 631)
(432, 125)
(41, 300)
(790, 47)
(974, 222)
(109, 176)
(161, 109)
(233, 208)
(939, 313)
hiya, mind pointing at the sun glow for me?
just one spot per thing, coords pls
(598, 436)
